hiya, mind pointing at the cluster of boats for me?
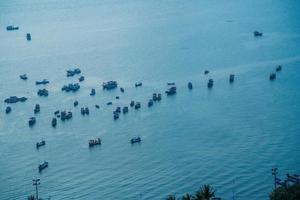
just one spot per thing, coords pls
(85, 111)
(273, 74)
(43, 92)
(109, 85)
(73, 72)
(71, 87)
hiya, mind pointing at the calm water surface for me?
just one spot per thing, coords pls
(229, 137)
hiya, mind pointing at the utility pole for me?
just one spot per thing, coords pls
(274, 173)
(35, 183)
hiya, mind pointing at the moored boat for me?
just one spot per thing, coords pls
(28, 36)
(150, 103)
(138, 84)
(137, 105)
(278, 68)
(23, 77)
(131, 103)
(257, 34)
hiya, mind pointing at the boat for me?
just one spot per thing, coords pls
(73, 72)
(170, 83)
(12, 28)
(43, 166)
(131, 103)
(210, 83)
(158, 96)
(272, 76)
(116, 115)
(54, 122)
(125, 109)
(154, 97)
(94, 142)
(117, 97)
(81, 78)
(85, 111)
(56, 112)
(43, 82)
(138, 84)
(15, 99)
(37, 108)
(135, 140)
(257, 34)
(122, 89)
(190, 85)
(206, 72)
(231, 78)
(28, 36)
(23, 77)
(93, 92)
(109, 85)
(43, 92)
(109, 103)
(278, 68)
(41, 143)
(8, 109)
(75, 103)
(31, 121)
(171, 91)
(150, 103)
(97, 106)
(137, 105)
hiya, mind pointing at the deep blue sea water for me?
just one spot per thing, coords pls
(229, 137)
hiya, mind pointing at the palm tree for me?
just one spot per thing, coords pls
(206, 192)
(187, 197)
(171, 197)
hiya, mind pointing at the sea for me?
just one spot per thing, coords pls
(229, 136)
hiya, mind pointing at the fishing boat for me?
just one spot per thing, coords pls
(122, 89)
(210, 83)
(43, 82)
(41, 143)
(43, 166)
(171, 91)
(278, 68)
(137, 105)
(190, 85)
(272, 76)
(170, 83)
(94, 142)
(257, 34)
(12, 28)
(23, 77)
(138, 84)
(93, 92)
(37, 108)
(54, 122)
(81, 78)
(150, 103)
(135, 140)
(125, 109)
(231, 78)
(8, 109)
(131, 103)
(28, 36)
(31, 121)
(75, 103)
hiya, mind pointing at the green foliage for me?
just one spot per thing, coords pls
(286, 193)
(206, 192)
